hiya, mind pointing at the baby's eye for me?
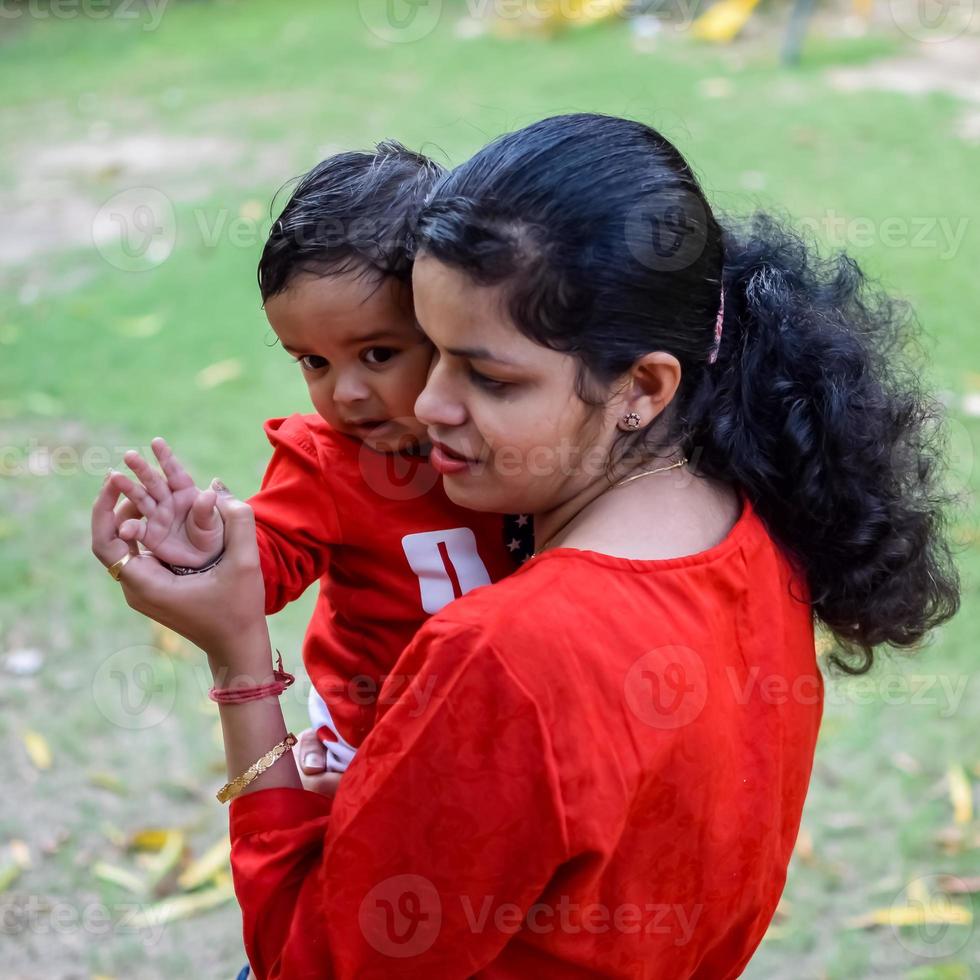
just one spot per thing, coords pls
(378, 355)
(312, 362)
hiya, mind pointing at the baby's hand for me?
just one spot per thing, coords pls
(180, 523)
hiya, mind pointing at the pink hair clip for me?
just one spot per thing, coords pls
(719, 323)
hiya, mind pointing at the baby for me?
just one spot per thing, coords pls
(349, 497)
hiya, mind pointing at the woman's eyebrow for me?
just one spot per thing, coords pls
(479, 354)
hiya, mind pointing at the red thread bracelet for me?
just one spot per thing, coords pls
(239, 695)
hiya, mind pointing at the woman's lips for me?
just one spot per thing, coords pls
(445, 461)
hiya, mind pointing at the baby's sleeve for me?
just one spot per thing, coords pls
(296, 518)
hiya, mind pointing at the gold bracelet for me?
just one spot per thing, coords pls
(232, 789)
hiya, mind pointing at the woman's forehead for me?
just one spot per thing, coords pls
(457, 312)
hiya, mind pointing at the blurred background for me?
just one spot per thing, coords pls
(142, 145)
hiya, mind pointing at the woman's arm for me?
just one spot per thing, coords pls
(446, 828)
(221, 611)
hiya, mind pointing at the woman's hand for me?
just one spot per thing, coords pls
(222, 610)
(168, 514)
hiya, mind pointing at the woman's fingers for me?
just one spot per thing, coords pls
(107, 546)
(173, 470)
(241, 547)
(154, 483)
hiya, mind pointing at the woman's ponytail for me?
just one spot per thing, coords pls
(815, 409)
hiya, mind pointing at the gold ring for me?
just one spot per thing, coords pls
(115, 569)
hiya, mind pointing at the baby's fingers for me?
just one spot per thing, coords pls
(177, 476)
(153, 481)
(134, 492)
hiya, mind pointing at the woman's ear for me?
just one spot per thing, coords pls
(650, 387)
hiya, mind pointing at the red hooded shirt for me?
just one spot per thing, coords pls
(387, 545)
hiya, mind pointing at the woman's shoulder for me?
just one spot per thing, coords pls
(571, 598)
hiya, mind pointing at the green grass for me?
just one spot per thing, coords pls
(81, 367)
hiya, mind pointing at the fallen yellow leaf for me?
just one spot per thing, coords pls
(182, 906)
(119, 876)
(148, 839)
(214, 860)
(9, 873)
(960, 794)
(109, 781)
(37, 749)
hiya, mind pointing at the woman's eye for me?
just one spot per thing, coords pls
(490, 384)
(312, 362)
(378, 355)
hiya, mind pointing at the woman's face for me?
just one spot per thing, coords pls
(509, 432)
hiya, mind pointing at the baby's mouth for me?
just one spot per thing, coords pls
(368, 425)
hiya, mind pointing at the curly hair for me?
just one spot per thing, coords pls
(606, 248)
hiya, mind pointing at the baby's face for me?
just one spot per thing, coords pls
(362, 355)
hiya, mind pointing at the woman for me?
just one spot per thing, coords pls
(600, 763)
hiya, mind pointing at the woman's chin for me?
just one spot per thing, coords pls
(464, 489)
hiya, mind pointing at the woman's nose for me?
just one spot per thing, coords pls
(436, 405)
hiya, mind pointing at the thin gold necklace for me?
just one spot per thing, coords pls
(628, 479)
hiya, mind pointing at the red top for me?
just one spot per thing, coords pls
(598, 769)
(387, 544)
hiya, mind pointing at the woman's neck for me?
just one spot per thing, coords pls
(664, 515)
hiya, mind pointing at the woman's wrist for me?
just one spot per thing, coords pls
(248, 654)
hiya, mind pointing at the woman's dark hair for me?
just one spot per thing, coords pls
(606, 248)
(352, 213)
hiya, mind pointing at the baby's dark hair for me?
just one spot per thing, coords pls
(606, 248)
(354, 212)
